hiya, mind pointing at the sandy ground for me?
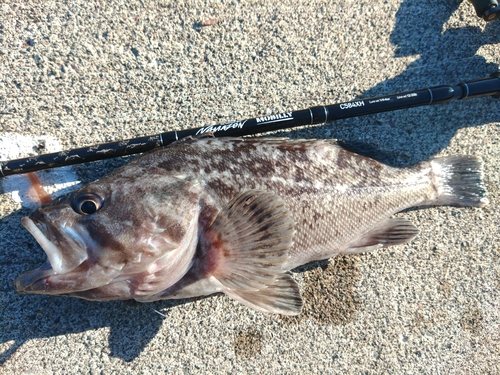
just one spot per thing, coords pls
(92, 71)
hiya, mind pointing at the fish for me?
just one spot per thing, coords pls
(234, 216)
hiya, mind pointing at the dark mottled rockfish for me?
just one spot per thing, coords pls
(232, 215)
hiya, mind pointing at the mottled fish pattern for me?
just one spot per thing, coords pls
(233, 215)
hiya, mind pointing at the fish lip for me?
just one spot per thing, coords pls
(25, 282)
(35, 280)
(39, 231)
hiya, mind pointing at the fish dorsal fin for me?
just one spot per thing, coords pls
(389, 232)
(250, 240)
(368, 150)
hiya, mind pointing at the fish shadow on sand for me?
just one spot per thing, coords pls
(132, 325)
(24, 317)
(409, 136)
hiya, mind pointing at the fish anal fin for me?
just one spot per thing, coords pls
(389, 232)
(249, 242)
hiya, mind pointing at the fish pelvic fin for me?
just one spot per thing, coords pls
(281, 297)
(458, 181)
(389, 232)
(249, 243)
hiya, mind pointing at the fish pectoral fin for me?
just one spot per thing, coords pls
(393, 231)
(249, 242)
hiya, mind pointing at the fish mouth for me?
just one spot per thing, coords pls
(58, 260)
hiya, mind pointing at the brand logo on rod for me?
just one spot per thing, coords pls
(221, 128)
(275, 118)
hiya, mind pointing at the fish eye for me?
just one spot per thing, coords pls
(87, 203)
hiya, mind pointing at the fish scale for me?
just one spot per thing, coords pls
(351, 183)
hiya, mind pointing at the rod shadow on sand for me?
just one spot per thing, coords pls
(417, 134)
(133, 325)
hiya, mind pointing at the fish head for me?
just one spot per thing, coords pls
(118, 238)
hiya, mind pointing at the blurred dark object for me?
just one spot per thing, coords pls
(486, 9)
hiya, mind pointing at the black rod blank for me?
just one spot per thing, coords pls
(311, 116)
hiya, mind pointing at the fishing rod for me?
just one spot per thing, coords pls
(311, 116)
(488, 10)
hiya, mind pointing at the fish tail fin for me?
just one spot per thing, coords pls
(458, 181)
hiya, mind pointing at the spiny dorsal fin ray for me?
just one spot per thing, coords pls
(251, 237)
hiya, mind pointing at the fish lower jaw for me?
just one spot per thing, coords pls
(51, 250)
(34, 281)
